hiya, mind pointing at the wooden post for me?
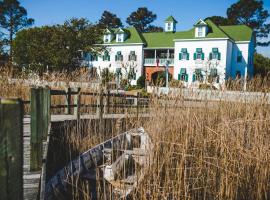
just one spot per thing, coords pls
(100, 109)
(137, 105)
(107, 110)
(11, 149)
(77, 101)
(36, 129)
(46, 105)
(68, 101)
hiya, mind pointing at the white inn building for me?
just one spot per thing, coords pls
(206, 50)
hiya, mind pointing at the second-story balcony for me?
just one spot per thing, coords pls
(162, 61)
(154, 57)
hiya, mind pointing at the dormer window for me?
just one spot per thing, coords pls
(201, 29)
(170, 24)
(120, 35)
(108, 36)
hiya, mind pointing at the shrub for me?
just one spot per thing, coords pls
(141, 82)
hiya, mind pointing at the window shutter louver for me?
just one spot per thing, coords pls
(187, 56)
(194, 56)
(219, 56)
(202, 56)
(186, 77)
(179, 77)
(180, 56)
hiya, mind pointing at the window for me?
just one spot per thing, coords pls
(184, 55)
(239, 56)
(199, 55)
(119, 39)
(183, 76)
(106, 56)
(132, 74)
(197, 75)
(169, 26)
(132, 56)
(118, 56)
(215, 54)
(93, 57)
(200, 32)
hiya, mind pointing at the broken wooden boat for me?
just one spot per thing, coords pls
(118, 164)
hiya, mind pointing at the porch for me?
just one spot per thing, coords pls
(154, 57)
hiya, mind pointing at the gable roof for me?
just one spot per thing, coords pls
(201, 23)
(171, 19)
(119, 30)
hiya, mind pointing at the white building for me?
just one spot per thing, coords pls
(203, 52)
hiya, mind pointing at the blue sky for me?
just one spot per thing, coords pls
(187, 12)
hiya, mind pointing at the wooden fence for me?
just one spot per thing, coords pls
(41, 108)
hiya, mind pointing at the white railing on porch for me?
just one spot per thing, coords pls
(162, 61)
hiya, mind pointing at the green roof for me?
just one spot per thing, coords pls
(171, 19)
(133, 36)
(165, 39)
(238, 32)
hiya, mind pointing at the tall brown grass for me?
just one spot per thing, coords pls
(200, 152)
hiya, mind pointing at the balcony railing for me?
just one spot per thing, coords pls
(162, 61)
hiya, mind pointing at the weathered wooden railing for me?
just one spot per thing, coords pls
(11, 129)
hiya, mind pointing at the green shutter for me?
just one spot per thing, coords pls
(210, 56)
(180, 56)
(193, 78)
(186, 77)
(187, 56)
(219, 56)
(109, 58)
(115, 57)
(202, 56)
(103, 58)
(179, 77)
(96, 58)
(194, 56)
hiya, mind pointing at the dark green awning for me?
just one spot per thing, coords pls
(184, 50)
(199, 50)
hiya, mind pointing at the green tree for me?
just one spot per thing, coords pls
(142, 19)
(261, 65)
(152, 28)
(220, 20)
(57, 47)
(109, 20)
(250, 13)
(13, 17)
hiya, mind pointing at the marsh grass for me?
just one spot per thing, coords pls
(200, 152)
